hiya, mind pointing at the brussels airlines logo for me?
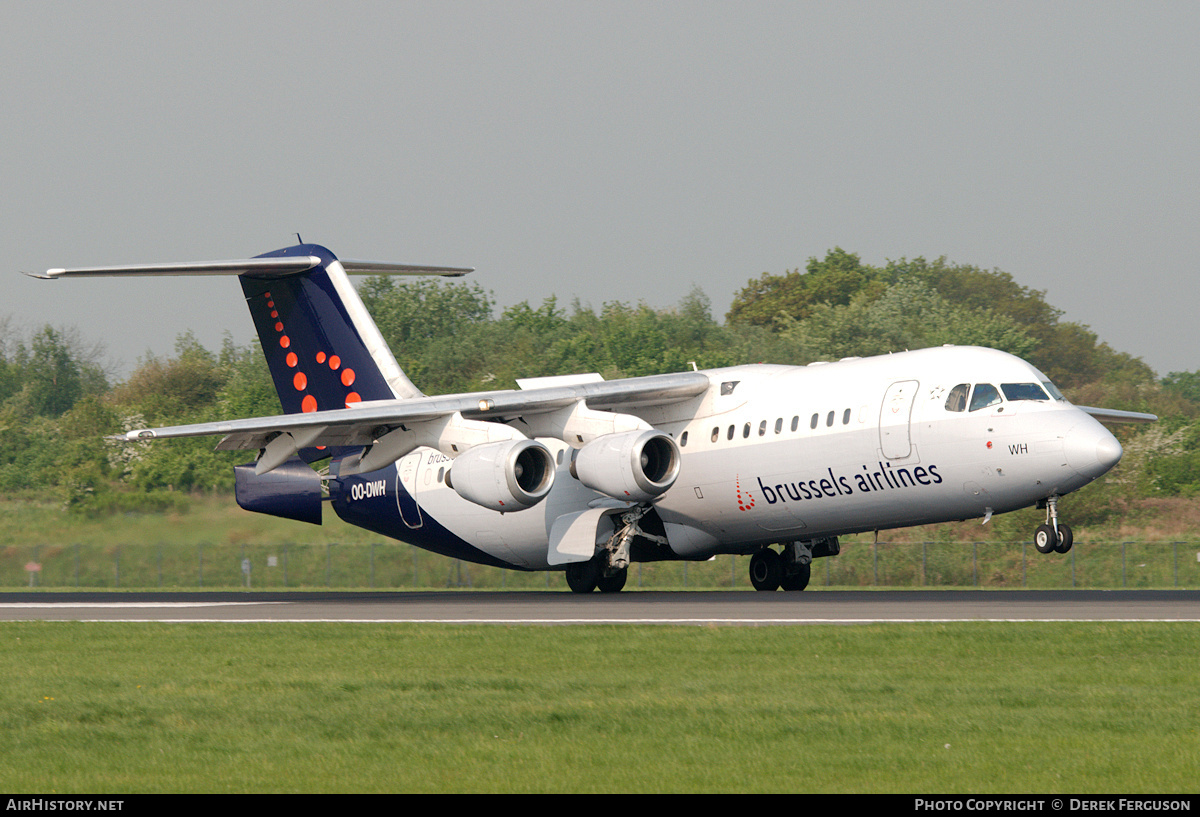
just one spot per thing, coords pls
(884, 477)
(745, 499)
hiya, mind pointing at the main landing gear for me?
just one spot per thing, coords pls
(1054, 536)
(767, 572)
(790, 569)
(608, 569)
(584, 577)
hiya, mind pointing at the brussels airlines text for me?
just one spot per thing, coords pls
(883, 477)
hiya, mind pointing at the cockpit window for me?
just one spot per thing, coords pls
(1054, 392)
(985, 395)
(957, 399)
(1023, 391)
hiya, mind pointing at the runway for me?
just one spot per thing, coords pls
(702, 608)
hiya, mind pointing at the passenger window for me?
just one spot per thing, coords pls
(779, 425)
(762, 428)
(829, 419)
(746, 431)
(846, 417)
(795, 422)
(957, 399)
(729, 436)
(813, 424)
(441, 473)
(683, 439)
(985, 395)
(716, 435)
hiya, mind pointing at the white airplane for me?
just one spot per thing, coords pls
(580, 474)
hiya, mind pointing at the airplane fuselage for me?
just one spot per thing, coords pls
(781, 453)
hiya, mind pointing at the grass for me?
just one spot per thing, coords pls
(954, 708)
(205, 545)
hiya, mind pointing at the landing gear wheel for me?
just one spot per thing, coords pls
(798, 580)
(582, 577)
(766, 570)
(1065, 539)
(1044, 539)
(614, 583)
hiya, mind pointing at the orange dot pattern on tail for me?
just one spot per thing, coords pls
(300, 380)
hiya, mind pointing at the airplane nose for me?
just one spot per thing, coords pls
(1108, 451)
(1092, 450)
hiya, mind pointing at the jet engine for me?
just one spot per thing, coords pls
(637, 466)
(506, 476)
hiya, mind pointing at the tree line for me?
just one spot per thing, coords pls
(58, 403)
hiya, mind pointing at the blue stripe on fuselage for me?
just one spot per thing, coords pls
(370, 501)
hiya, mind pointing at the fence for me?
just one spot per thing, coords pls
(1129, 564)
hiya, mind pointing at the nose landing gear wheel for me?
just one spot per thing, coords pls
(1065, 539)
(1044, 539)
(1054, 536)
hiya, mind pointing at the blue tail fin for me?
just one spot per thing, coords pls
(323, 350)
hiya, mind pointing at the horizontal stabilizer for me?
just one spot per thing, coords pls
(259, 267)
(272, 267)
(354, 267)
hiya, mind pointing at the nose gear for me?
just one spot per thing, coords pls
(1054, 536)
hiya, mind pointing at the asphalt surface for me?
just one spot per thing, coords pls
(744, 608)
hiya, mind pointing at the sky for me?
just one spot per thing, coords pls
(605, 151)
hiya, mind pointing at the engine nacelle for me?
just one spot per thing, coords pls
(638, 466)
(506, 476)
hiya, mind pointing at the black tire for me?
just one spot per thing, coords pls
(1044, 539)
(798, 580)
(766, 570)
(613, 583)
(1065, 539)
(582, 577)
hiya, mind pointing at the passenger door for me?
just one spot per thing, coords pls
(894, 415)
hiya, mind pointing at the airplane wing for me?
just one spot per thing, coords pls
(1116, 416)
(369, 421)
